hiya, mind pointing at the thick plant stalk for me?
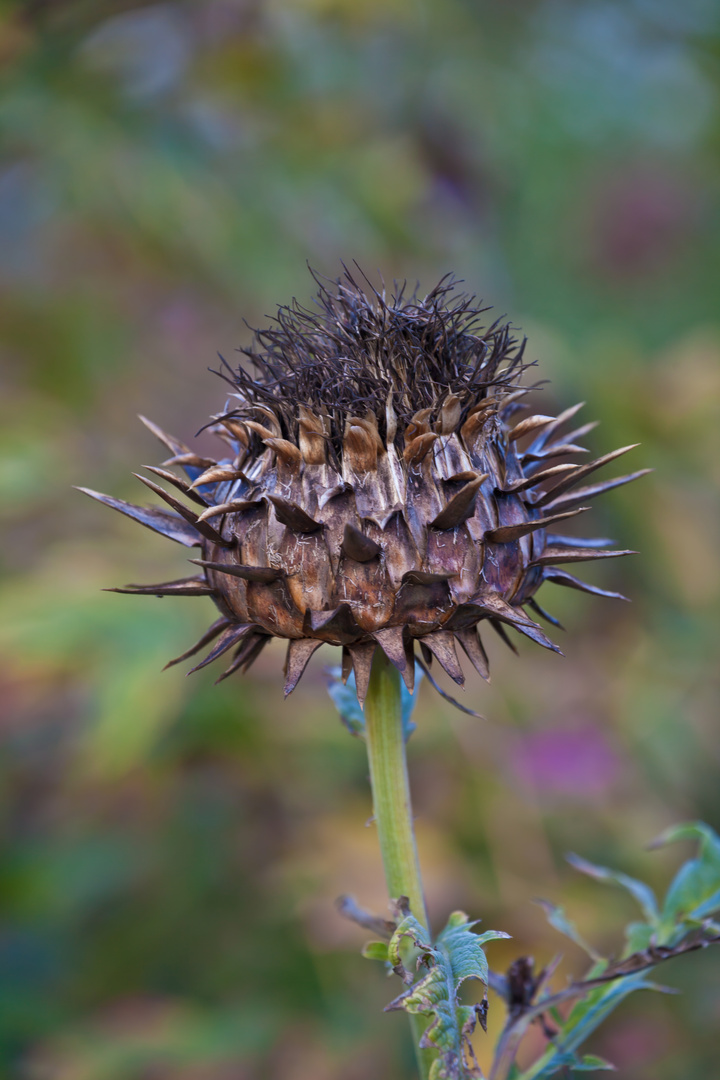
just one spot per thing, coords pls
(392, 807)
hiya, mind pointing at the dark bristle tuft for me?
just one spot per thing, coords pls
(357, 348)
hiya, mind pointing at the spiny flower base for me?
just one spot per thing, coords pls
(376, 493)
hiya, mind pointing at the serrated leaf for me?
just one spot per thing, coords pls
(376, 950)
(464, 948)
(344, 696)
(456, 955)
(642, 893)
(559, 921)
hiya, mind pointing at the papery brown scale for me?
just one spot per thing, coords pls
(237, 429)
(359, 448)
(419, 425)
(271, 419)
(422, 608)
(288, 452)
(460, 503)
(334, 515)
(398, 547)
(418, 447)
(452, 551)
(233, 590)
(311, 438)
(449, 414)
(450, 457)
(367, 588)
(308, 571)
(261, 431)
(270, 606)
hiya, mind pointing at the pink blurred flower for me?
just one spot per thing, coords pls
(567, 761)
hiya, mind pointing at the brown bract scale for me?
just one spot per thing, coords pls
(378, 489)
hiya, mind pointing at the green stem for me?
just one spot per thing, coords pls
(391, 805)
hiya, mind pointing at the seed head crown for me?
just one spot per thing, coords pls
(357, 352)
(377, 491)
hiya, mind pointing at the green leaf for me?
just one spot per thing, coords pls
(592, 1061)
(558, 919)
(585, 1016)
(638, 889)
(376, 950)
(695, 891)
(707, 908)
(588, 1063)
(408, 927)
(456, 955)
(463, 948)
(690, 830)
(638, 937)
(693, 895)
(491, 935)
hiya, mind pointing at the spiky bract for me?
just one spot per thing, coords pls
(377, 490)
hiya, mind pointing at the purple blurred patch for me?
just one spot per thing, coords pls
(179, 317)
(637, 1042)
(640, 218)
(576, 762)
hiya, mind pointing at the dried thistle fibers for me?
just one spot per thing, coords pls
(378, 490)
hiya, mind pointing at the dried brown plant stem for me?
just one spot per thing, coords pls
(392, 807)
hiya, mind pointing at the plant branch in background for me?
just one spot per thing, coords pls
(681, 925)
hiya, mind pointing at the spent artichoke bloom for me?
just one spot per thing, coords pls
(378, 491)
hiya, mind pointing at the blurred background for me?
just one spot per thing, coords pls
(172, 850)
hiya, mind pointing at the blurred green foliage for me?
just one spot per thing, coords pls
(171, 850)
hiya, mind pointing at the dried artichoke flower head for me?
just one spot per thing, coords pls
(377, 491)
